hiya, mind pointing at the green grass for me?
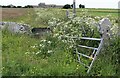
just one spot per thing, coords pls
(19, 51)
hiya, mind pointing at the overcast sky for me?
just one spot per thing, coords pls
(87, 3)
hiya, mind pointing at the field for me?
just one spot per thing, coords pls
(25, 55)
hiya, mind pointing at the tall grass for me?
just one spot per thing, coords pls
(24, 55)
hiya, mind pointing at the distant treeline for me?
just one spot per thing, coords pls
(68, 6)
(11, 6)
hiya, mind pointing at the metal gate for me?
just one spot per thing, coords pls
(104, 29)
(94, 53)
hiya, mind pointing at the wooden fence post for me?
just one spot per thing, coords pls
(74, 8)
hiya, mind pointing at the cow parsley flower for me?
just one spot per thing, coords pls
(37, 52)
(50, 51)
(49, 42)
(27, 53)
(43, 40)
(33, 46)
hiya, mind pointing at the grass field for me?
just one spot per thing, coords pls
(21, 54)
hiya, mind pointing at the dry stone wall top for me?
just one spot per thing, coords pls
(14, 27)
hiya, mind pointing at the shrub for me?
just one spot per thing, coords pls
(67, 6)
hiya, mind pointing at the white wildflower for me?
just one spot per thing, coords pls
(97, 17)
(55, 35)
(65, 41)
(71, 46)
(27, 53)
(43, 40)
(49, 42)
(37, 52)
(33, 46)
(33, 52)
(50, 51)
(41, 45)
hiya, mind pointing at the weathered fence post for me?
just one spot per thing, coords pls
(118, 18)
(67, 13)
(74, 8)
(104, 29)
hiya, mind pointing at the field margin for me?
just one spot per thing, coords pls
(0, 45)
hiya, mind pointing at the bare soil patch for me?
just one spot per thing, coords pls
(12, 12)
